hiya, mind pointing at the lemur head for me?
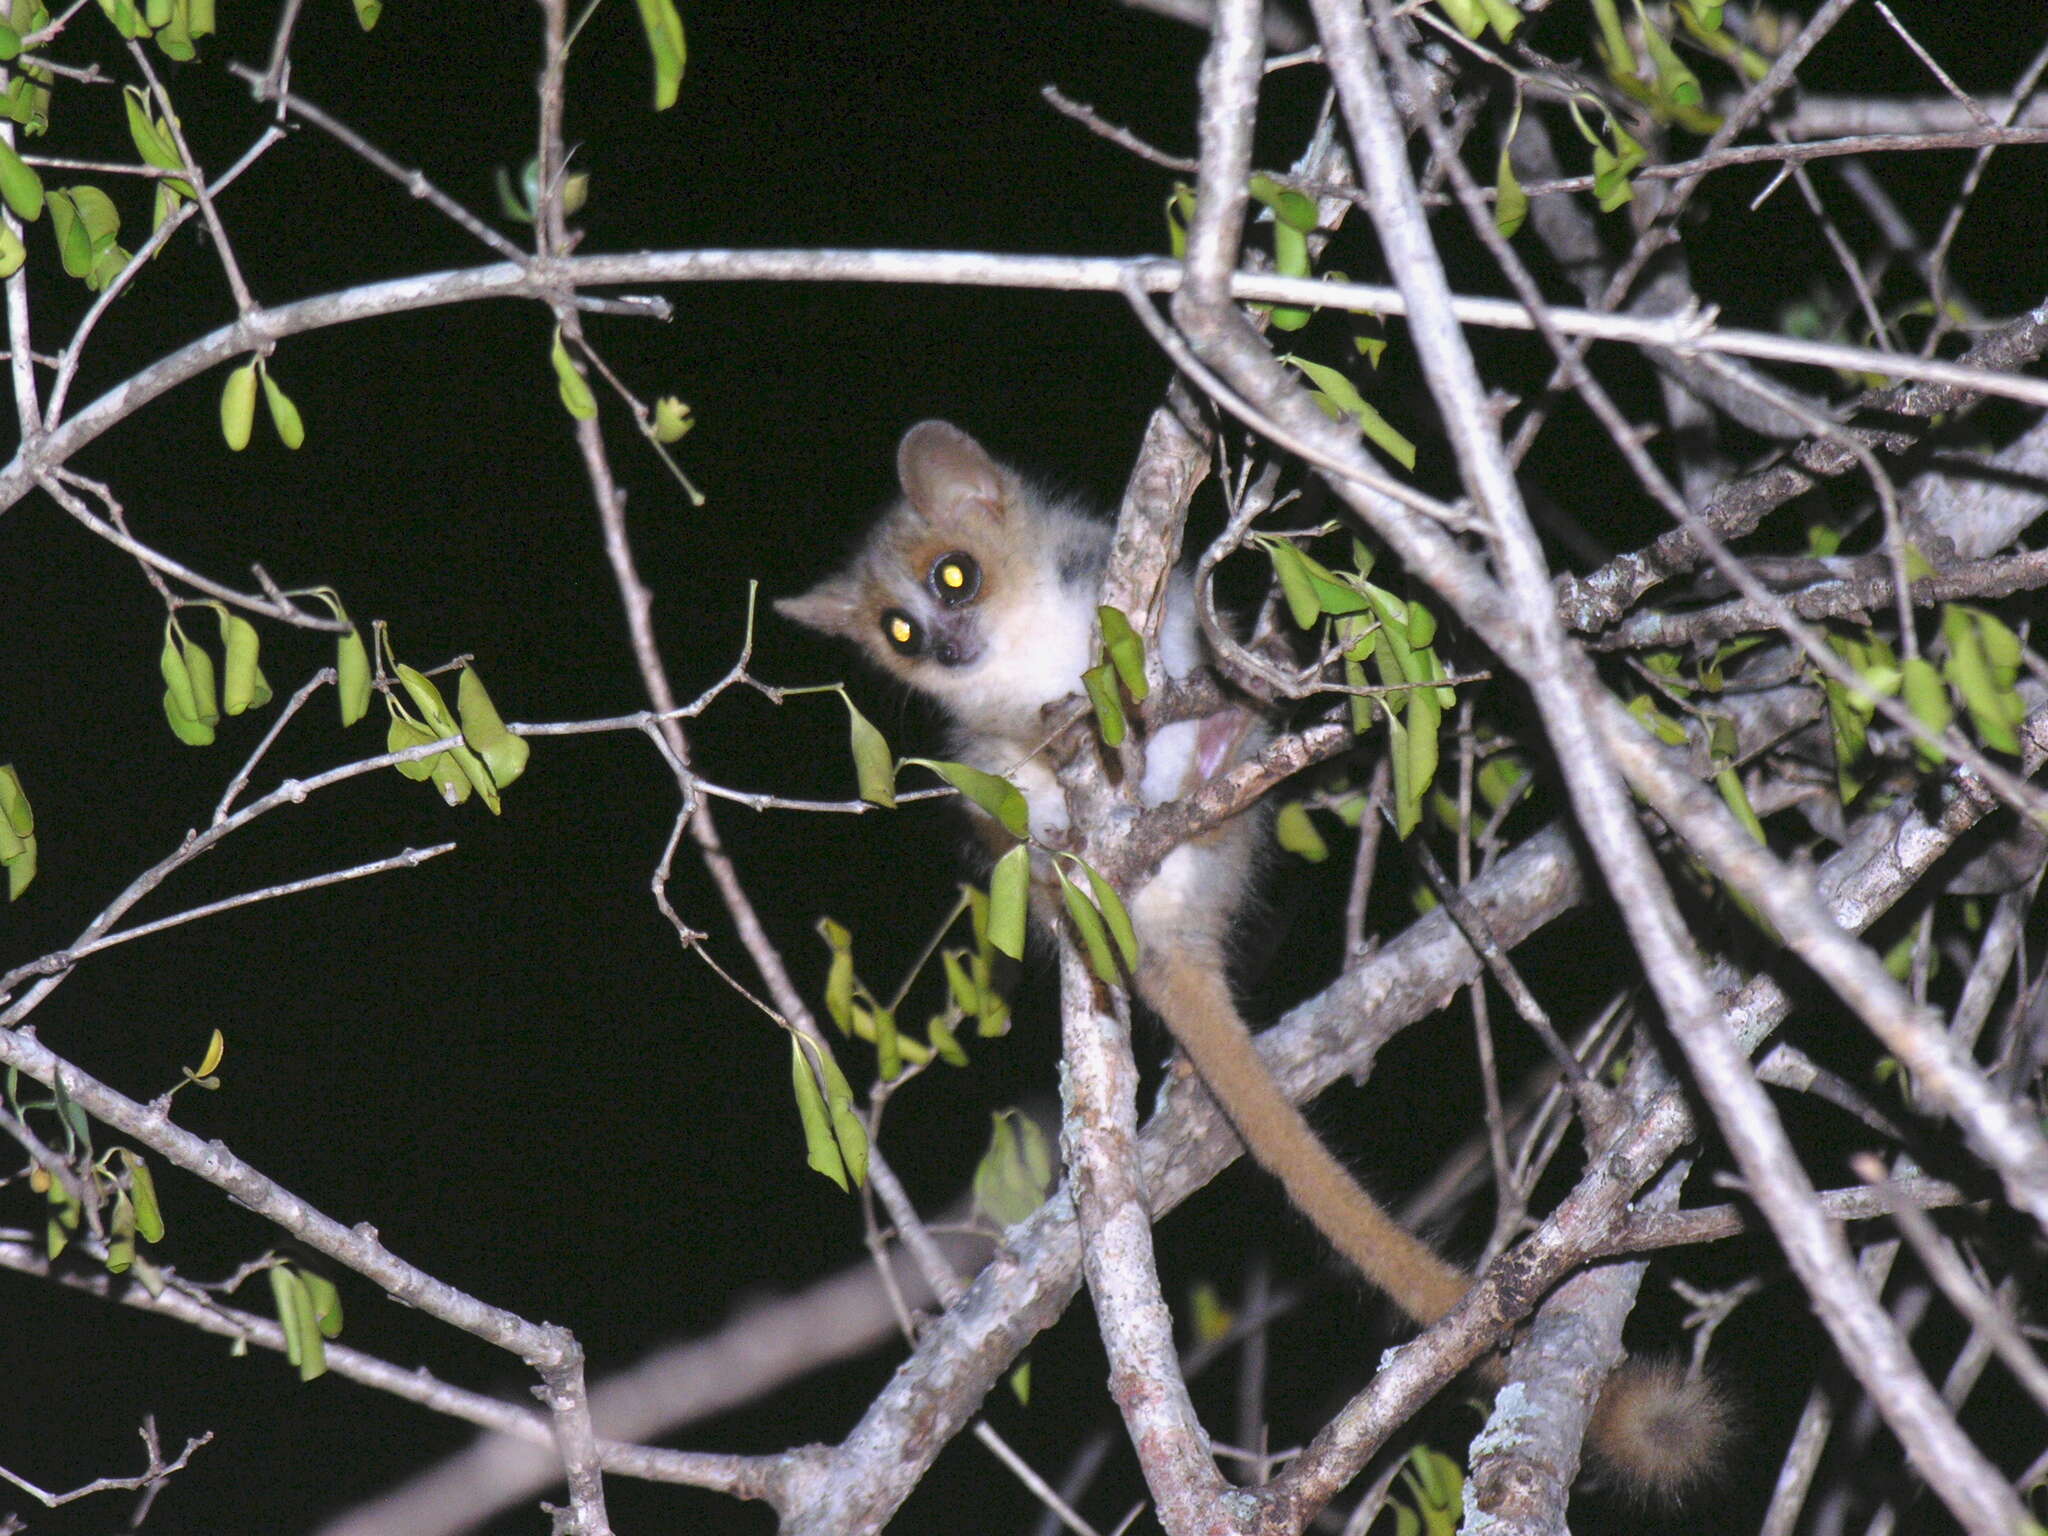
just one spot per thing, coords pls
(973, 588)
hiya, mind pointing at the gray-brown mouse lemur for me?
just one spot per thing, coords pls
(979, 590)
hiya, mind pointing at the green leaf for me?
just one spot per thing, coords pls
(74, 240)
(405, 734)
(1296, 832)
(367, 12)
(820, 1144)
(16, 815)
(1009, 898)
(151, 139)
(1510, 202)
(1971, 670)
(1736, 795)
(242, 684)
(577, 399)
(1927, 696)
(1125, 648)
(12, 252)
(149, 1215)
(993, 793)
(664, 30)
(1015, 1173)
(21, 869)
(96, 211)
(1088, 923)
(1502, 17)
(1111, 906)
(1678, 83)
(1341, 398)
(888, 1047)
(1180, 208)
(1465, 15)
(291, 428)
(1291, 566)
(326, 1302)
(10, 43)
(20, 186)
(238, 406)
(944, 1044)
(1100, 682)
(504, 754)
(671, 419)
(1424, 719)
(352, 669)
(874, 768)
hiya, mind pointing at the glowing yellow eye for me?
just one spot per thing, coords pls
(955, 578)
(902, 632)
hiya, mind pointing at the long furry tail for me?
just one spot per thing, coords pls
(1659, 1434)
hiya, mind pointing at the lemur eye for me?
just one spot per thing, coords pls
(955, 578)
(903, 632)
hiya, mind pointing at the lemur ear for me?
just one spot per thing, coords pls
(947, 476)
(832, 607)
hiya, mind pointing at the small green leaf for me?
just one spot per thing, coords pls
(1678, 83)
(959, 985)
(664, 30)
(238, 406)
(1341, 398)
(1111, 906)
(17, 816)
(74, 241)
(326, 1302)
(1015, 1173)
(577, 399)
(1502, 17)
(1009, 898)
(1736, 796)
(1100, 682)
(20, 186)
(671, 419)
(12, 252)
(874, 768)
(991, 792)
(242, 684)
(1126, 651)
(367, 12)
(1296, 832)
(944, 1044)
(820, 1144)
(10, 43)
(1465, 15)
(284, 416)
(404, 735)
(1927, 696)
(149, 1215)
(503, 753)
(1510, 202)
(1088, 922)
(1291, 566)
(121, 1234)
(1970, 670)
(216, 1050)
(352, 669)
(888, 1047)
(1180, 208)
